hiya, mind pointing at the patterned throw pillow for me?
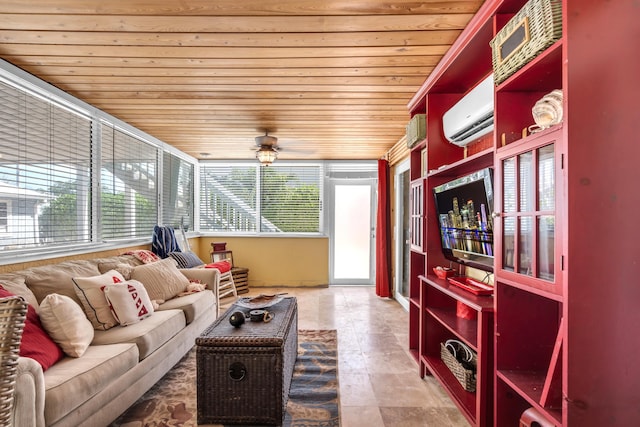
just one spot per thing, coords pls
(66, 323)
(129, 301)
(91, 295)
(120, 267)
(186, 259)
(162, 279)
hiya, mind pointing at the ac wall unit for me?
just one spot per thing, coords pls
(472, 116)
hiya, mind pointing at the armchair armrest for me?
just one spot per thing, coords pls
(28, 402)
(208, 276)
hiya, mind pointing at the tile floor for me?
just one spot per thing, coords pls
(379, 381)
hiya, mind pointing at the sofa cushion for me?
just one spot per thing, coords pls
(72, 381)
(122, 263)
(129, 302)
(65, 322)
(36, 343)
(57, 278)
(122, 268)
(145, 256)
(90, 292)
(14, 283)
(193, 305)
(148, 335)
(162, 279)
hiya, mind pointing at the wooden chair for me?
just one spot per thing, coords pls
(13, 312)
(227, 286)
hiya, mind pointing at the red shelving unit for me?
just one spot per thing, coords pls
(555, 335)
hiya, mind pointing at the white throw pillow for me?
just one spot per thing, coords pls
(91, 295)
(65, 322)
(129, 301)
(161, 279)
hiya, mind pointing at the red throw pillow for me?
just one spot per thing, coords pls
(36, 343)
(223, 266)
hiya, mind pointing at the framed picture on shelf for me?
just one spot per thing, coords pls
(221, 256)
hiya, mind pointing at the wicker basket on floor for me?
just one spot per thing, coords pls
(13, 312)
(466, 377)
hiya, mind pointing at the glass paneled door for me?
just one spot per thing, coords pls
(352, 232)
(401, 233)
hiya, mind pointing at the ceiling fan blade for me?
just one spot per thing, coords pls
(296, 150)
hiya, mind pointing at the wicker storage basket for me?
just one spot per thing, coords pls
(466, 377)
(13, 312)
(244, 374)
(534, 28)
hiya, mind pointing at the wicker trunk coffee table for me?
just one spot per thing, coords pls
(244, 374)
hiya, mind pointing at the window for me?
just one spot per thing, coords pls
(45, 159)
(4, 211)
(129, 199)
(74, 177)
(280, 198)
(228, 198)
(290, 199)
(177, 192)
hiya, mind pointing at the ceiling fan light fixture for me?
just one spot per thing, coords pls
(266, 155)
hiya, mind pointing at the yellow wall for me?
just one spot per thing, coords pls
(276, 261)
(272, 261)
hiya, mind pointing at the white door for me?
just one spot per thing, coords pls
(401, 233)
(352, 232)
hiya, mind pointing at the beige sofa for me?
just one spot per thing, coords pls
(120, 364)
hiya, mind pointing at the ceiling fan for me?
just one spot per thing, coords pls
(268, 148)
(267, 151)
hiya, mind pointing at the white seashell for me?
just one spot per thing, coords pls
(548, 111)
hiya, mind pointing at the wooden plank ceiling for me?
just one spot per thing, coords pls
(330, 79)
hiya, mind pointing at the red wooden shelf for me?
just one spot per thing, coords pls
(464, 328)
(555, 319)
(465, 400)
(477, 302)
(529, 385)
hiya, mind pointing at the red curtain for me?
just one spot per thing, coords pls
(383, 233)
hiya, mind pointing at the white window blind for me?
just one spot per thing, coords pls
(4, 212)
(128, 177)
(177, 191)
(290, 199)
(281, 198)
(228, 198)
(45, 159)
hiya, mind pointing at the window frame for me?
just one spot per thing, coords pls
(253, 164)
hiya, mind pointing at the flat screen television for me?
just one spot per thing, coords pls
(464, 207)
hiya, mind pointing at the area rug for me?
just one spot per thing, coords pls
(313, 397)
